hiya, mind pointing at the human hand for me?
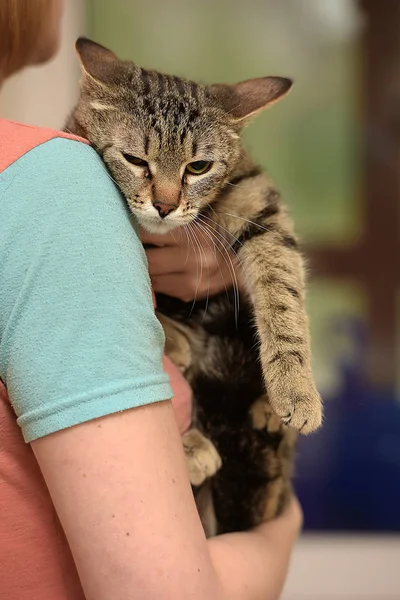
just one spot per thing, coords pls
(189, 264)
(267, 549)
(293, 512)
(290, 519)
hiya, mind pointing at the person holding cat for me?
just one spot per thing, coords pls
(95, 500)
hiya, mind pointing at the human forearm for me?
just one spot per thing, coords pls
(121, 490)
(253, 565)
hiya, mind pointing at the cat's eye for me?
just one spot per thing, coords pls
(199, 167)
(135, 160)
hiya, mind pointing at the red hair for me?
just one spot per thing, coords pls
(22, 25)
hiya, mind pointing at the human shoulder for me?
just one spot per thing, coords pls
(54, 165)
(18, 139)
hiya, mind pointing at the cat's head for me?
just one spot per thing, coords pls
(170, 144)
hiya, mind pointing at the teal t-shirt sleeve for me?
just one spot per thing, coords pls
(78, 335)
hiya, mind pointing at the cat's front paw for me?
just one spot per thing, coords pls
(202, 457)
(297, 402)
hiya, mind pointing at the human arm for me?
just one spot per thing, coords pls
(121, 490)
(261, 556)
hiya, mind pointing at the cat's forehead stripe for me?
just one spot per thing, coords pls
(180, 86)
(161, 84)
(145, 82)
(146, 144)
(193, 91)
(172, 109)
(153, 82)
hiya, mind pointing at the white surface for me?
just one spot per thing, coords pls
(338, 567)
(45, 95)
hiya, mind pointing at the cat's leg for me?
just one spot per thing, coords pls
(252, 484)
(254, 481)
(275, 273)
(205, 507)
(279, 466)
(177, 346)
(202, 458)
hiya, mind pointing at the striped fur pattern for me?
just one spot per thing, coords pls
(250, 369)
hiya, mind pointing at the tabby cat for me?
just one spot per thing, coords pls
(173, 147)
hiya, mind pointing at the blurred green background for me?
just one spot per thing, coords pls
(308, 142)
(315, 143)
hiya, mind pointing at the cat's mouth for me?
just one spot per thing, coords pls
(158, 225)
(158, 221)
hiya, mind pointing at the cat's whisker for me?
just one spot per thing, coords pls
(190, 230)
(220, 235)
(190, 236)
(222, 241)
(212, 222)
(188, 244)
(211, 225)
(174, 238)
(208, 269)
(214, 248)
(235, 286)
(243, 219)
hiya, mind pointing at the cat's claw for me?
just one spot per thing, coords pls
(298, 409)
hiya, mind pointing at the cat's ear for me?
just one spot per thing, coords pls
(247, 98)
(97, 61)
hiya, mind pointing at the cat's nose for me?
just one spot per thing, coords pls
(164, 209)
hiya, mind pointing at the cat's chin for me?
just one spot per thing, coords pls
(157, 226)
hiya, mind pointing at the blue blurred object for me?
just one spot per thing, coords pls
(348, 474)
